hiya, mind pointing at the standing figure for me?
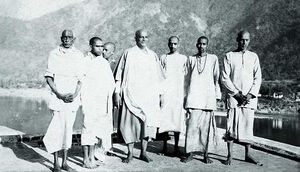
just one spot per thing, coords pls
(63, 75)
(241, 77)
(97, 89)
(173, 113)
(203, 91)
(139, 78)
(108, 51)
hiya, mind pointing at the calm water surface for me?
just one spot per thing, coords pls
(28, 116)
(278, 128)
(33, 117)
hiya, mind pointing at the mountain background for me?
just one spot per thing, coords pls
(274, 26)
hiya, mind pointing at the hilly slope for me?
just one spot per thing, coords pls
(273, 23)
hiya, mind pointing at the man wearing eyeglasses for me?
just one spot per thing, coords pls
(63, 75)
(139, 77)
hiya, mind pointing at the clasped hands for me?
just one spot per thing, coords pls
(67, 98)
(242, 99)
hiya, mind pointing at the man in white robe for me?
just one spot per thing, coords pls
(173, 113)
(63, 75)
(108, 52)
(139, 77)
(202, 93)
(96, 95)
(241, 77)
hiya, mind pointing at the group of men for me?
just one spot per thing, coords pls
(153, 94)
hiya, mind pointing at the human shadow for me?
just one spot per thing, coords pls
(25, 152)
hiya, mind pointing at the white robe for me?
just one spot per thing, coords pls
(241, 72)
(97, 88)
(172, 116)
(140, 76)
(65, 67)
(204, 88)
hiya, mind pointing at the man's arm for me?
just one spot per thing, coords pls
(53, 88)
(257, 79)
(228, 84)
(216, 79)
(225, 77)
(119, 72)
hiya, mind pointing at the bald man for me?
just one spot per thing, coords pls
(138, 78)
(63, 75)
(108, 50)
(241, 78)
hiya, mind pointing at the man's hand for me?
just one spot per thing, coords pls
(161, 101)
(240, 98)
(248, 97)
(67, 98)
(188, 113)
(117, 100)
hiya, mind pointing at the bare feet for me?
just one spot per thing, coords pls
(108, 153)
(66, 167)
(250, 159)
(128, 159)
(187, 159)
(145, 158)
(56, 169)
(207, 160)
(228, 161)
(86, 163)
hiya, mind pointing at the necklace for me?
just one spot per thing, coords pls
(199, 64)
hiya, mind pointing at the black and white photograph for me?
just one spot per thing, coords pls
(149, 85)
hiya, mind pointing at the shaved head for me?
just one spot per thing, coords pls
(139, 32)
(242, 33)
(243, 40)
(141, 38)
(67, 38)
(174, 37)
(67, 33)
(108, 50)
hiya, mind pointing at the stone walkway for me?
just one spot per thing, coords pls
(30, 156)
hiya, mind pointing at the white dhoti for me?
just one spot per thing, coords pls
(60, 130)
(96, 126)
(240, 124)
(201, 133)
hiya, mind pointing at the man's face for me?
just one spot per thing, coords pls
(97, 48)
(107, 51)
(243, 41)
(173, 45)
(67, 39)
(202, 45)
(142, 39)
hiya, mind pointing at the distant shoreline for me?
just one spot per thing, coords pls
(30, 93)
(43, 94)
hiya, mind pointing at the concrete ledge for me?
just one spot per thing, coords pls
(285, 150)
(266, 145)
(273, 147)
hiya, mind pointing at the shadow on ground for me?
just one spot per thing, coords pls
(25, 152)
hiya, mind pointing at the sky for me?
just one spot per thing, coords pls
(31, 9)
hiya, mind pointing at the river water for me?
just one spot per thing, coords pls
(33, 117)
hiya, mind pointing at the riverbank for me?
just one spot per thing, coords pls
(264, 108)
(29, 155)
